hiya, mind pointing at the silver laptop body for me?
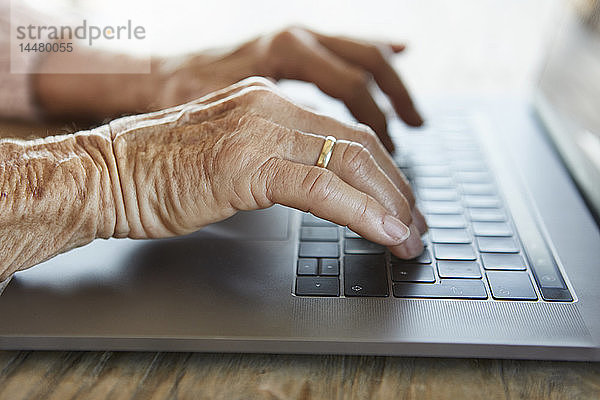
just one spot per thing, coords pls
(511, 269)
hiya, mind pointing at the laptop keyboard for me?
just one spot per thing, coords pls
(472, 249)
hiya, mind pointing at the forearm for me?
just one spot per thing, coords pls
(56, 194)
(171, 81)
(61, 91)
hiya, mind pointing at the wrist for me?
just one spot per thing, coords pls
(98, 146)
(57, 194)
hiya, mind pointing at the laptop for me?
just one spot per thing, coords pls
(511, 267)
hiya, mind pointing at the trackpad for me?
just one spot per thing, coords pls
(269, 224)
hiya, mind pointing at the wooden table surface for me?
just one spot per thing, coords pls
(119, 375)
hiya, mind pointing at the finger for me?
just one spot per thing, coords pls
(397, 48)
(373, 59)
(419, 220)
(337, 78)
(322, 193)
(411, 248)
(285, 113)
(353, 163)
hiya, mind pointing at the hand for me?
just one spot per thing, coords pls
(246, 147)
(340, 67)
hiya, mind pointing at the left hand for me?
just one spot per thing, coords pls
(340, 67)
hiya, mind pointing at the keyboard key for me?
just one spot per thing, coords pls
(438, 194)
(317, 286)
(544, 268)
(489, 244)
(319, 249)
(473, 177)
(445, 221)
(350, 234)
(459, 269)
(503, 261)
(447, 288)
(307, 266)
(491, 229)
(427, 160)
(454, 252)
(423, 258)
(478, 188)
(329, 266)
(412, 273)
(441, 207)
(319, 234)
(311, 220)
(463, 154)
(365, 275)
(487, 214)
(434, 182)
(431, 170)
(362, 246)
(473, 201)
(438, 235)
(553, 294)
(469, 166)
(511, 285)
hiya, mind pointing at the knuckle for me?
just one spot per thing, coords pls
(318, 184)
(403, 210)
(376, 56)
(287, 36)
(257, 81)
(366, 136)
(362, 212)
(279, 49)
(257, 95)
(358, 80)
(264, 181)
(356, 157)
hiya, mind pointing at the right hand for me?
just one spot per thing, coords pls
(246, 147)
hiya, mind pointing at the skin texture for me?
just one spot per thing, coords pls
(173, 171)
(341, 67)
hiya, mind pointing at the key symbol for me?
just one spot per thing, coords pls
(357, 288)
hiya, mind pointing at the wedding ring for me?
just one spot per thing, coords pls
(326, 151)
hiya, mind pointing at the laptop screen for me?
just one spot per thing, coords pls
(569, 96)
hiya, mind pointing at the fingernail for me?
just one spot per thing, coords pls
(417, 120)
(395, 228)
(413, 246)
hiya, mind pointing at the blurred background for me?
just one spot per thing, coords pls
(459, 46)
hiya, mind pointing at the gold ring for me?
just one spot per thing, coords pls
(326, 151)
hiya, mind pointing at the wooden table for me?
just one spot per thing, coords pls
(114, 375)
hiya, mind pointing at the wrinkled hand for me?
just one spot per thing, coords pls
(246, 147)
(340, 67)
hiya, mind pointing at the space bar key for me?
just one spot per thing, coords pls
(447, 289)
